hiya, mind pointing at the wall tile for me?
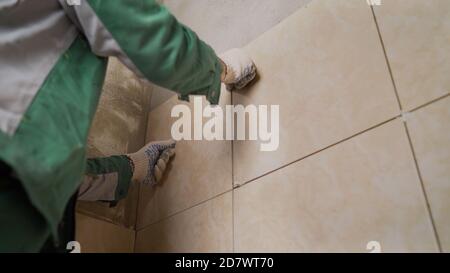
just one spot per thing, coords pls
(364, 189)
(416, 36)
(96, 236)
(199, 171)
(204, 228)
(429, 128)
(326, 69)
(227, 24)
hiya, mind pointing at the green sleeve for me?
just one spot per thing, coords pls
(164, 51)
(113, 164)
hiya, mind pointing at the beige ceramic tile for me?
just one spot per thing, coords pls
(199, 171)
(416, 35)
(204, 228)
(220, 23)
(228, 24)
(364, 189)
(429, 128)
(123, 214)
(96, 236)
(325, 67)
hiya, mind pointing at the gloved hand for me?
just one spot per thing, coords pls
(239, 70)
(151, 161)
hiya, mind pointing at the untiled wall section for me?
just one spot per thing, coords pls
(364, 142)
(119, 127)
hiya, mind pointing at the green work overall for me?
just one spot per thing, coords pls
(53, 58)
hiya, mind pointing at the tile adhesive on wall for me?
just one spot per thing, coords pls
(119, 127)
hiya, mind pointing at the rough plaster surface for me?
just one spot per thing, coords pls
(119, 127)
(225, 24)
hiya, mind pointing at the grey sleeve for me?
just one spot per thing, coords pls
(100, 39)
(101, 187)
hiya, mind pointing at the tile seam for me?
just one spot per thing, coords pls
(232, 186)
(429, 103)
(422, 185)
(388, 64)
(319, 151)
(427, 204)
(183, 210)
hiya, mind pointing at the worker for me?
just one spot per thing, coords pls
(53, 59)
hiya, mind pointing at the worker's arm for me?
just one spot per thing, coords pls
(151, 42)
(109, 178)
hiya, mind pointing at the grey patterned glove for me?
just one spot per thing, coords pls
(151, 161)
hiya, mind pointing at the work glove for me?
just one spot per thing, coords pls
(239, 69)
(151, 161)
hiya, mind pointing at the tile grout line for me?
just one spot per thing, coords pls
(148, 110)
(232, 185)
(183, 210)
(386, 59)
(427, 203)
(319, 151)
(422, 184)
(137, 213)
(104, 220)
(430, 102)
(232, 220)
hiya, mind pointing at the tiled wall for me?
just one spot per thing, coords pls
(119, 127)
(227, 24)
(364, 142)
(97, 236)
